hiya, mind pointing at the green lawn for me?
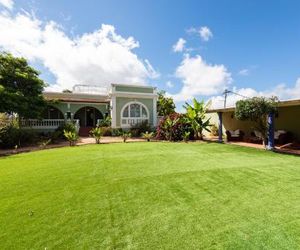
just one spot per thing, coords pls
(150, 196)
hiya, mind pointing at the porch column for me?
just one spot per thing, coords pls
(220, 127)
(270, 145)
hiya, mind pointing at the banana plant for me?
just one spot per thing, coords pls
(196, 117)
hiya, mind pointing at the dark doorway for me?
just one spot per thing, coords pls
(88, 116)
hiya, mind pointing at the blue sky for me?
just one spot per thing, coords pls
(253, 47)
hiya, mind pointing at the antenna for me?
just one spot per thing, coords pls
(226, 92)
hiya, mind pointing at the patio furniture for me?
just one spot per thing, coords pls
(235, 135)
(282, 137)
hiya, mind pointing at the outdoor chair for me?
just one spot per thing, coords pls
(235, 135)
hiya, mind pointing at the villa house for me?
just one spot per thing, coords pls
(86, 106)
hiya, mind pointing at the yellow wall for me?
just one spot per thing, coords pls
(288, 119)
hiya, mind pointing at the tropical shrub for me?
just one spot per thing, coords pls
(165, 105)
(71, 136)
(138, 129)
(196, 117)
(11, 135)
(148, 136)
(106, 122)
(186, 136)
(116, 132)
(106, 131)
(214, 130)
(96, 133)
(172, 127)
(44, 144)
(256, 109)
(125, 136)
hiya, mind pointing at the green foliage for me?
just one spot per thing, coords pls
(11, 135)
(172, 127)
(71, 136)
(117, 132)
(148, 136)
(106, 122)
(96, 133)
(59, 132)
(20, 88)
(196, 117)
(165, 105)
(140, 128)
(125, 136)
(44, 144)
(106, 131)
(214, 130)
(186, 136)
(256, 110)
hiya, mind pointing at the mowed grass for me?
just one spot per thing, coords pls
(150, 196)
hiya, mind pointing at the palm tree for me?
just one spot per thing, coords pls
(196, 117)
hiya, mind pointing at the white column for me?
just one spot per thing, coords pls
(113, 111)
(155, 111)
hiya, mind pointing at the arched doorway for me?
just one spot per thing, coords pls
(52, 113)
(88, 116)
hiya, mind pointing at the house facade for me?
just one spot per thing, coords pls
(86, 106)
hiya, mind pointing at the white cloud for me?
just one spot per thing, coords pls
(7, 4)
(169, 84)
(281, 91)
(205, 33)
(200, 78)
(244, 72)
(98, 58)
(179, 46)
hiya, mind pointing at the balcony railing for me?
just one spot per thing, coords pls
(42, 124)
(46, 123)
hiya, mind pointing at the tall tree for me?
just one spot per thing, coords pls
(196, 117)
(256, 110)
(20, 87)
(165, 105)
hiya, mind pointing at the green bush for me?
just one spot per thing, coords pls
(137, 130)
(106, 131)
(105, 122)
(116, 132)
(148, 136)
(11, 135)
(214, 131)
(125, 136)
(96, 133)
(71, 136)
(186, 136)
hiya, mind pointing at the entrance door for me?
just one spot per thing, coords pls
(90, 117)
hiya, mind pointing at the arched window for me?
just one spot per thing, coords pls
(134, 113)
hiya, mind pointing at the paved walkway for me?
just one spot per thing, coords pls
(81, 141)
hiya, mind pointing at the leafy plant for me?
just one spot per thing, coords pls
(186, 136)
(196, 117)
(96, 133)
(71, 136)
(125, 136)
(214, 130)
(44, 144)
(106, 122)
(148, 136)
(106, 131)
(256, 110)
(165, 105)
(140, 128)
(20, 87)
(172, 127)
